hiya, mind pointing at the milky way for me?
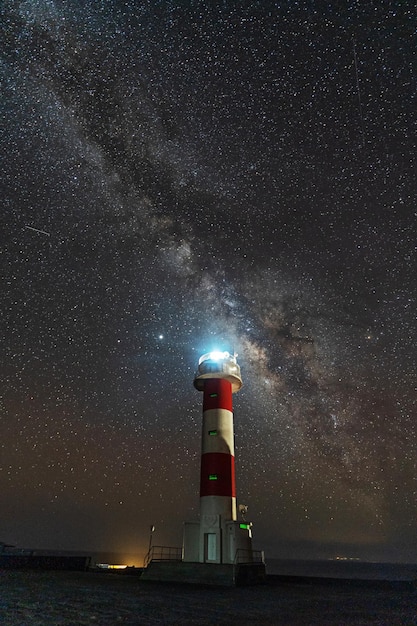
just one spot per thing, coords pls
(183, 176)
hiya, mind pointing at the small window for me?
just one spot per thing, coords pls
(212, 433)
(212, 476)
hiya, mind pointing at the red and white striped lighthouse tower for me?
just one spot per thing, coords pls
(218, 376)
(218, 536)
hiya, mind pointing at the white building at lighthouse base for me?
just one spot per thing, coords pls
(212, 541)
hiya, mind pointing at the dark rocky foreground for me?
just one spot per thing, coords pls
(78, 598)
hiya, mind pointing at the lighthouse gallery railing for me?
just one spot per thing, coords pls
(162, 553)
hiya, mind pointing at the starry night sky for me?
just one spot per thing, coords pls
(180, 176)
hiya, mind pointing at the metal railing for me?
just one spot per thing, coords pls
(249, 556)
(248, 566)
(162, 553)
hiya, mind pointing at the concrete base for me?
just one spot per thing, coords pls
(205, 573)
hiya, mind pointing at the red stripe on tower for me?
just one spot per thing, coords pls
(217, 394)
(218, 475)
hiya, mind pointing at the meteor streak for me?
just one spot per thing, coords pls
(37, 230)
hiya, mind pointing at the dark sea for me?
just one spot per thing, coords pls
(331, 568)
(343, 569)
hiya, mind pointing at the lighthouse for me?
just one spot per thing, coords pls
(218, 537)
(217, 548)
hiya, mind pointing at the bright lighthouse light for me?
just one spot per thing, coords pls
(217, 355)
